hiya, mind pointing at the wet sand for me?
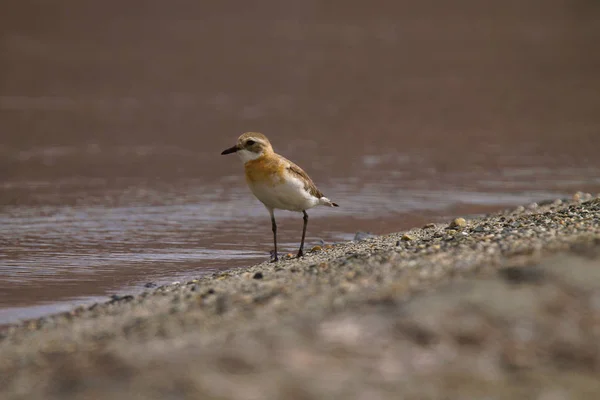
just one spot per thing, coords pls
(504, 306)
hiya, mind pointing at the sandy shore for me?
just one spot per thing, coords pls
(506, 306)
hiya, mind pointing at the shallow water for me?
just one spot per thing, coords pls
(112, 124)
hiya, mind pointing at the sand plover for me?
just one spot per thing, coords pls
(277, 182)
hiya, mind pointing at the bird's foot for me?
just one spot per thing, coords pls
(300, 253)
(274, 257)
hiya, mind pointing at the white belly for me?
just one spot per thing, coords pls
(288, 195)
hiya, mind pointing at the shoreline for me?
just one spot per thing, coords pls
(460, 305)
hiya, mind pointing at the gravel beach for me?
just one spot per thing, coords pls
(504, 306)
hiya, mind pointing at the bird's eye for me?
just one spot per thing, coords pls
(250, 142)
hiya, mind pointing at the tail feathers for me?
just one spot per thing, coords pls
(326, 202)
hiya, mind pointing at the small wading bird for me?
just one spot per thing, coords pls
(277, 182)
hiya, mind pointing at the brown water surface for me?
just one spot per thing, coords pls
(113, 115)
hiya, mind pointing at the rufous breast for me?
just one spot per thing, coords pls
(265, 170)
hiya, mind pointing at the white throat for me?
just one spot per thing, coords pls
(246, 155)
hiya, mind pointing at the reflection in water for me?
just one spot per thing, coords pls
(113, 117)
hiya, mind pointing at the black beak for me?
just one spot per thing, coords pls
(230, 150)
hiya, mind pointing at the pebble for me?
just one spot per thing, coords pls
(406, 237)
(581, 196)
(360, 236)
(458, 223)
(519, 275)
(116, 298)
(350, 275)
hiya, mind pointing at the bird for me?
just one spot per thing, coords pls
(277, 182)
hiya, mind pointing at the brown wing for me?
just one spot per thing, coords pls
(308, 183)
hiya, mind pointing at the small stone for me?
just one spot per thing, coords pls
(406, 237)
(221, 304)
(522, 274)
(150, 285)
(429, 226)
(328, 247)
(78, 310)
(359, 236)
(316, 248)
(458, 223)
(258, 275)
(545, 202)
(350, 275)
(115, 298)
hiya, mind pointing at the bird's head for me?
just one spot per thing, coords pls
(250, 146)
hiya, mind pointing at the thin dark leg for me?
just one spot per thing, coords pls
(274, 228)
(305, 218)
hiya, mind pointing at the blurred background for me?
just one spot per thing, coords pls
(113, 116)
